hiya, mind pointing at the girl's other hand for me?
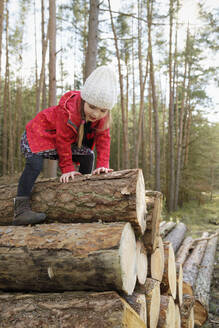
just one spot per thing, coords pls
(66, 176)
(102, 170)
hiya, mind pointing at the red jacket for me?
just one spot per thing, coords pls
(57, 128)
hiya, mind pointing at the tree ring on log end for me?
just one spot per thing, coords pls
(128, 258)
(141, 209)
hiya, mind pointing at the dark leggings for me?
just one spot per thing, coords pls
(34, 166)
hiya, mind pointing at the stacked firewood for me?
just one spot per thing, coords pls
(103, 258)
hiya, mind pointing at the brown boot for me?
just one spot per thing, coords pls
(23, 215)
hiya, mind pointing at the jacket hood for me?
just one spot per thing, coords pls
(74, 96)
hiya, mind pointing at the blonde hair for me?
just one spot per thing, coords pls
(81, 127)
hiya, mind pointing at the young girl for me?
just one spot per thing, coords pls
(68, 132)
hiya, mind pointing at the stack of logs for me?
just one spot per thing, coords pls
(103, 259)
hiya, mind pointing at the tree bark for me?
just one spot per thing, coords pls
(184, 250)
(91, 55)
(166, 228)
(191, 266)
(69, 309)
(187, 311)
(203, 283)
(176, 236)
(59, 257)
(156, 262)
(167, 312)
(154, 206)
(116, 196)
(168, 284)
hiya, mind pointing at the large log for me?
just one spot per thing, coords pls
(177, 317)
(167, 312)
(191, 266)
(154, 206)
(203, 283)
(176, 236)
(156, 262)
(116, 196)
(69, 310)
(60, 257)
(184, 250)
(168, 284)
(166, 227)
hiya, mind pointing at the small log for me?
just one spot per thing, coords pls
(168, 284)
(142, 262)
(137, 301)
(191, 266)
(187, 311)
(156, 262)
(166, 228)
(154, 206)
(69, 309)
(177, 317)
(62, 257)
(116, 196)
(152, 289)
(179, 284)
(176, 236)
(184, 250)
(162, 223)
(167, 312)
(203, 283)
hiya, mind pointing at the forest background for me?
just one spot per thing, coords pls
(165, 66)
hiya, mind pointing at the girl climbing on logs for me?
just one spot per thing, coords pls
(68, 132)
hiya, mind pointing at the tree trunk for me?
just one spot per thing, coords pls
(142, 262)
(137, 301)
(59, 257)
(154, 206)
(124, 118)
(167, 312)
(91, 55)
(50, 166)
(1, 31)
(116, 196)
(156, 262)
(191, 266)
(166, 228)
(176, 236)
(154, 99)
(187, 312)
(168, 284)
(184, 250)
(203, 283)
(78, 309)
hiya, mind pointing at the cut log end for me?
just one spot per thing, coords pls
(200, 314)
(167, 312)
(128, 259)
(141, 209)
(177, 317)
(172, 272)
(142, 263)
(154, 307)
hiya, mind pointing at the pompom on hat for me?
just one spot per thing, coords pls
(100, 88)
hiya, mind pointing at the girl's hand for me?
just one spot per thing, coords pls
(66, 176)
(102, 170)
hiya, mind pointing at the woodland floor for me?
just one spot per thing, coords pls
(198, 218)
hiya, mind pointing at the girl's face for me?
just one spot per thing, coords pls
(93, 113)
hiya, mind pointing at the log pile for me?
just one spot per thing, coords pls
(102, 259)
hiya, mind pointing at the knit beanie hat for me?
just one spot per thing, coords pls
(100, 88)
